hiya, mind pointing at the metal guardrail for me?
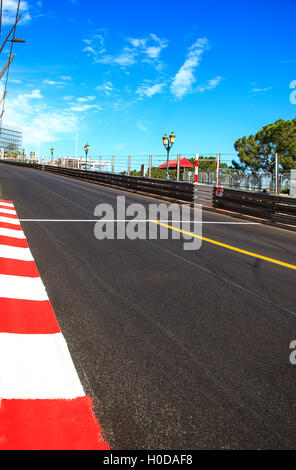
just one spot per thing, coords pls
(203, 194)
(177, 191)
(279, 210)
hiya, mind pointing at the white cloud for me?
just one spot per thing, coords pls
(95, 46)
(68, 97)
(138, 42)
(40, 123)
(141, 126)
(106, 88)
(211, 85)
(10, 9)
(86, 98)
(66, 78)
(146, 49)
(85, 107)
(185, 78)
(126, 58)
(148, 90)
(259, 91)
(52, 82)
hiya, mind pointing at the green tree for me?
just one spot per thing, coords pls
(208, 163)
(257, 152)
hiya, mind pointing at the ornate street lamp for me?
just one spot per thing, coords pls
(52, 150)
(168, 143)
(86, 149)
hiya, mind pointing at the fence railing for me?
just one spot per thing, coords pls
(279, 210)
(148, 165)
(275, 209)
(173, 190)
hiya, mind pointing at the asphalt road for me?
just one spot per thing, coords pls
(179, 349)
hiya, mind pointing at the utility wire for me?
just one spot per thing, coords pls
(1, 9)
(10, 54)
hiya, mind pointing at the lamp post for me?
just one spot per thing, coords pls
(86, 149)
(168, 142)
(52, 150)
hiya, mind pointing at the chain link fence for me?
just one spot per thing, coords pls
(148, 165)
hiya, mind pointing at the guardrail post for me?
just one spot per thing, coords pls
(112, 168)
(218, 170)
(196, 168)
(129, 165)
(276, 174)
(100, 163)
(150, 166)
(178, 167)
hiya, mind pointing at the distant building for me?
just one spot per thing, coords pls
(11, 138)
(82, 164)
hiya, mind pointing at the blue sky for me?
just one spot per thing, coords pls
(121, 74)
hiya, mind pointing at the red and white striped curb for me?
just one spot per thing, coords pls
(42, 403)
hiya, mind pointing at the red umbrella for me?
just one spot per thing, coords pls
(184, 163)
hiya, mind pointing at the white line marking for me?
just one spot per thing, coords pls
(21, 287)
(37, 367)
(15, 252)
(136, 221)
(8, 204)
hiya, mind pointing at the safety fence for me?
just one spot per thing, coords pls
(212, 169)
(279, 210)
(163, 188)
(275, 209)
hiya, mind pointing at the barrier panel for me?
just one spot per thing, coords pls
(178, 191)
(279, 210)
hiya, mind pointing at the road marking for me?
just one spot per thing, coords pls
(7, 211)
(43, 405)
(15, 252)
(7, 232)
(37, 366)
(138, 220)
(21, 287)
(228, 247)
(9, 220)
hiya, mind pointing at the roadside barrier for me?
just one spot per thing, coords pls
(266, 208)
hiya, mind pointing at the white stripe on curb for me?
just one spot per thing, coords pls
(21, 287)
(9, 220)
(37, 367)
(10, 232)
(7, 211)
(15, 252)
(8, 204)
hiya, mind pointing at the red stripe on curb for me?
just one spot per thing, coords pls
(50, 425)
(27, 317)
(8, 202)
(16, 267)
(12, 226)
(38, 424)
(11, 241)
(10, 216)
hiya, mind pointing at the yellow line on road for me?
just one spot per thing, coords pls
(228, 247)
